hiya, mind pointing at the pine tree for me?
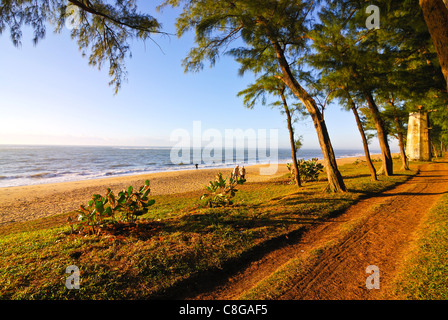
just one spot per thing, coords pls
(415, 78)
(270, 85)
(259, 25)
(396, 113)
(349, 102)
(347, 53)
(436, 17)
(377, 64)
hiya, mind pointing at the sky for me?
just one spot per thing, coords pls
(50, 95)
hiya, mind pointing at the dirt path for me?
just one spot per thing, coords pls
(375, 231)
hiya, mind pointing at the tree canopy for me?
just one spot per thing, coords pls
(250, 29)
(309, 49)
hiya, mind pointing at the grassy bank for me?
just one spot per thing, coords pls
(176, 241)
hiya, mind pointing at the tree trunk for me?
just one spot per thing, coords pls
(335, 181)
(404, 158)
(399, 128)
(364, 142)
(291, 139)
(434, 150)
(386, 157)
(435, 13)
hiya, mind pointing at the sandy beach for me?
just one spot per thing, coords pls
(26, 203)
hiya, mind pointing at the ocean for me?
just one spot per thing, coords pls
(22, 165)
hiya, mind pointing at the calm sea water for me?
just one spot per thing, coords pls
(30, 165)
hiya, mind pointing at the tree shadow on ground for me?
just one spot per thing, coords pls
(294, 221)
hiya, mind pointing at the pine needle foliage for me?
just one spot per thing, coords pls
(103, 30)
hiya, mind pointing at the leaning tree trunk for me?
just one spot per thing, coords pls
(291, 139)
(400, 136)
(435, 13)
(335, 181)
(386, 156)
(364, 141)
(434, 150)
(404, 158)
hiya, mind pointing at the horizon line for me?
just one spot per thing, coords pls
(153, 147)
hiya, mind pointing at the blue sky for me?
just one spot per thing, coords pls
(50, 95)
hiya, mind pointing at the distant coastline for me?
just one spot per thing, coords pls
(22, 165)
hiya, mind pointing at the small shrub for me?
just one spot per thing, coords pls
(131, 204)
(93, 216)
(100, 211)
(308, 170)
(219, 193)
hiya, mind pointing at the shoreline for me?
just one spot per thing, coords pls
(24, 203)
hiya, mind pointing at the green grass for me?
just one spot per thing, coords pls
(425, 273)
(177, 240)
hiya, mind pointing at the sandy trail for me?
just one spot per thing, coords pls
(389, 226)
(384, 227)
